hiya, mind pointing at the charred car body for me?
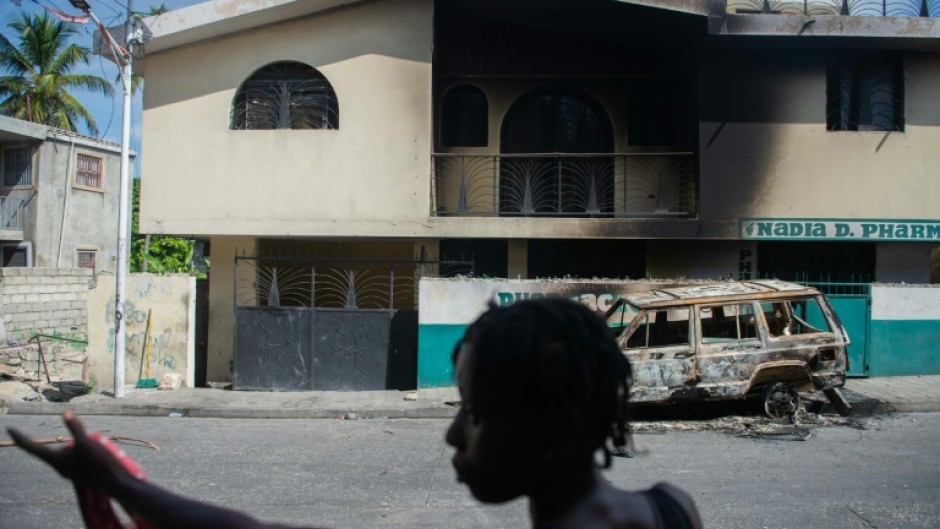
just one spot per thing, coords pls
(765, 338)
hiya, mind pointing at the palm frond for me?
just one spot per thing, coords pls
(68, 58)
(39, 61)
(92, 83)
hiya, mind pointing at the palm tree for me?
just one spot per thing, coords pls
(40, 76)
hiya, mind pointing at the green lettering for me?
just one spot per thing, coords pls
(780, 229)
(842, 229)
(884, 231)
(505, 298)
(933, 231)
(917, 231)
(868, 229)
(900, 231)
(763, 229)
(819, 229)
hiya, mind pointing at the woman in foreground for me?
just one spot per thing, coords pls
(544, 392)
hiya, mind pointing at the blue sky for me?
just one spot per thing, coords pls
(106, 110)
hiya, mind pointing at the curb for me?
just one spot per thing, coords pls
(49, 408)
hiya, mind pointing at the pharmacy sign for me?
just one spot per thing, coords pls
(839, 230)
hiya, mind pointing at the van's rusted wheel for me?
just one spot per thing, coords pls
(781, 401)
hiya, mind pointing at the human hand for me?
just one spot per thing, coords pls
(87, 463)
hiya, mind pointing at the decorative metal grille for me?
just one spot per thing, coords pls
(334, 284)
(861, 8)
(89, 170)
(564, 185)
(285, 95)
(18, 166)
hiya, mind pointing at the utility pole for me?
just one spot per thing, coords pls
(124, 57)
(120, 329)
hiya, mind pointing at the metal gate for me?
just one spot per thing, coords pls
(852, 302)
(305, 324)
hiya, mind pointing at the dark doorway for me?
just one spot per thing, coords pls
(15, 256)
(587, 258)
(843, 262)
(202, 332)
(490, 256)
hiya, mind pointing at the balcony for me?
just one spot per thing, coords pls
(566, 185)
(858, 8)
(12, 215)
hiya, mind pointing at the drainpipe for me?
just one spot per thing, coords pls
(65, 199)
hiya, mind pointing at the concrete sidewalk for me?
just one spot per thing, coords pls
(868, 396)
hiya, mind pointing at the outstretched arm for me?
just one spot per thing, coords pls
(89, 464)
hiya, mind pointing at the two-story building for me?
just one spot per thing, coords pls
(333, 151)
(58, 198)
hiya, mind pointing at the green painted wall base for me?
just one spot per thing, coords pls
(435, 346)
(904, 347)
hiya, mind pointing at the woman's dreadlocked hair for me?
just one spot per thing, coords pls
(559, 361)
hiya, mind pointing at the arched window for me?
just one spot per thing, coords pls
(556, 119)
(285, 95)
(464, 117)
(651, 118)
(555, 123)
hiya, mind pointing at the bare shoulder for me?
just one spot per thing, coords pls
(683, 499)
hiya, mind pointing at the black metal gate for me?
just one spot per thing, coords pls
(305, 324)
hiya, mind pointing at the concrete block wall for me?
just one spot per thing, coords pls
(44, 301)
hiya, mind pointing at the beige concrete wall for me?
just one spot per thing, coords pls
(374, 169)
(221, 304)
(765, 150)
(171, 301)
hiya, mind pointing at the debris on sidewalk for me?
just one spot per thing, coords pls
(171, 381)
(14, 391)
(411, 396)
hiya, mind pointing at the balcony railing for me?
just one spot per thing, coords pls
(564, 185)
(12, 212)
(858, 8)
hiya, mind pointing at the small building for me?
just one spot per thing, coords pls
(331, 150)
(58, 198)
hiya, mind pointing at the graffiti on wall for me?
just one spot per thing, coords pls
(167, 336)
(594, 301)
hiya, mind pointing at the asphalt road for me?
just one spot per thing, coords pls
(883, 472)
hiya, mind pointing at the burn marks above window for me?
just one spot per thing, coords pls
(285, 95)
(464, 117)
(865, 92)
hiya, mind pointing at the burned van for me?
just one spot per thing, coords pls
(768, 339)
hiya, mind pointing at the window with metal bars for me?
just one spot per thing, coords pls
(88, 171)
(865, 92)
(285, 95)
(18, 166)
(87, 259)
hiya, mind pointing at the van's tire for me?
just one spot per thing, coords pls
(781, 401)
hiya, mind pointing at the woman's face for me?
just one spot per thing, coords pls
(490, 457)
